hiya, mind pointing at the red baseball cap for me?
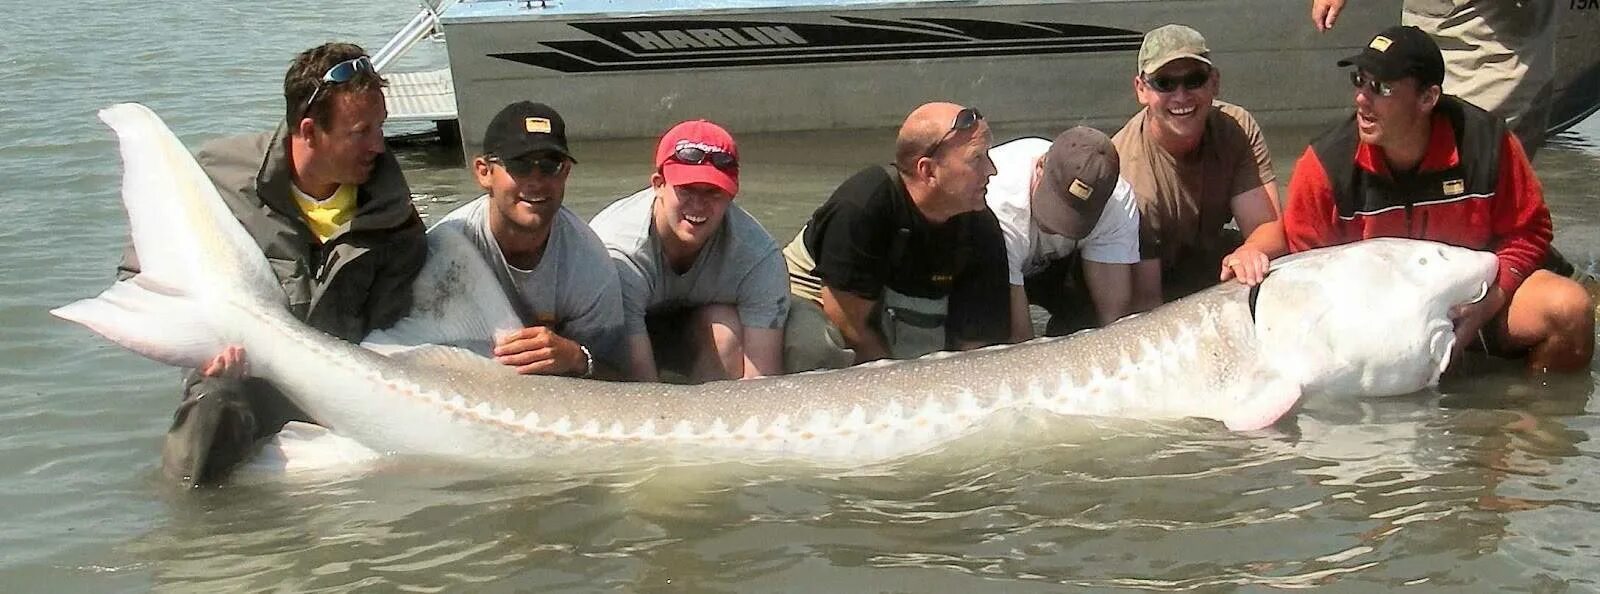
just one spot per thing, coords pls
(696, 152)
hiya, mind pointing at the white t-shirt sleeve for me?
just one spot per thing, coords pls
(1115, 237)
(1016, 251)
(1007, 197)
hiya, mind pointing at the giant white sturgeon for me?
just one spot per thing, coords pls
(1363, 319)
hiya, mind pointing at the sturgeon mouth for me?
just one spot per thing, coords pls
(1483, 291)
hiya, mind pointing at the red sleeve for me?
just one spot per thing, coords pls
(1309, 217)
(1520, 219)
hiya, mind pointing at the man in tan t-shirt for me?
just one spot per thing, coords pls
(1195, 163)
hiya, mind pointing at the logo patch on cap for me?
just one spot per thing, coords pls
(1454, 187)
(1381, 43)
(536, 125)
(1080, 189)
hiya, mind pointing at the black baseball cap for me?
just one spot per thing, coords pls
(524, 128)
(1399, 52)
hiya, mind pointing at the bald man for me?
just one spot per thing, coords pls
(903, 259)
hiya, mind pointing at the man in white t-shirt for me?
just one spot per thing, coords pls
(1071, 227)
(705, 292)
(552, 267)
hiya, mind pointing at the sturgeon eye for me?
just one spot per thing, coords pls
(1422, 261)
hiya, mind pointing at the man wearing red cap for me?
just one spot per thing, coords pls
(903, 259)
(703, 286)
(1415, 162)
(552, 267)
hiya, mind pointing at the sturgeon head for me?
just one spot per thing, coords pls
(1370, 318)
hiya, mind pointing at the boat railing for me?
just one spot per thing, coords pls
(422, 26)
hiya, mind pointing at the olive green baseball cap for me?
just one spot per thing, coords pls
(1171, 42)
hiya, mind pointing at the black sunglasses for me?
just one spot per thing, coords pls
(524, 166)
(1372, 85)
(340, 73)
(965, 119)
(693, 155)
(1167, 84)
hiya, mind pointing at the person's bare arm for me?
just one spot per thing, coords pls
(1257, 215)
(849, 313)
(763, 352)
(1147, 285)
(1325, 12)
(539, 350)
(231, 363)
(1111, 288)
(1021, 322)
(641, 359)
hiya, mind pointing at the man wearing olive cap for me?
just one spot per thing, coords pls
(1195, 163)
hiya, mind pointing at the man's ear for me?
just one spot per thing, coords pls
(305, 127)
(924, 169)
(483, 171)
(1140, 89)
(1430, 97)
(1038, 174)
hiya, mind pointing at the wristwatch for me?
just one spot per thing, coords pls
(588, 362)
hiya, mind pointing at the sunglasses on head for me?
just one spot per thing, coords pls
(1377, 87)
(693, 155)
(1168, 83)
(546, 164)
(965, 119)
(340, 73)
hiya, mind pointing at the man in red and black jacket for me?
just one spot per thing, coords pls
(1414, 162)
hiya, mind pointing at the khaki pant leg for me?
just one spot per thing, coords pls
(1498, 54)
(812, 342)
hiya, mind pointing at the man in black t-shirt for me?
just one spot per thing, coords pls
(904, 259)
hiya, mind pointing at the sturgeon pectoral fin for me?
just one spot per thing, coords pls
(1273, 397)
(303, 447)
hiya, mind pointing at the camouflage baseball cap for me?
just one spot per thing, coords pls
(1171, 42)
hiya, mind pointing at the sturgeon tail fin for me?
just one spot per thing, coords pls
(192, 251)
(150, 321)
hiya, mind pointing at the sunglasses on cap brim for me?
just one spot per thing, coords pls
(524, 166)
(965, 119)
(1167, 84)
(693, 155)
(340, 73)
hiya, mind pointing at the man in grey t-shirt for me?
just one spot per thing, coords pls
(553, 268)
(704, 289)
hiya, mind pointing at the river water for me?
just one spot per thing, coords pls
(1488, 483)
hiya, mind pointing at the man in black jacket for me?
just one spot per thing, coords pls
(332, 212)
